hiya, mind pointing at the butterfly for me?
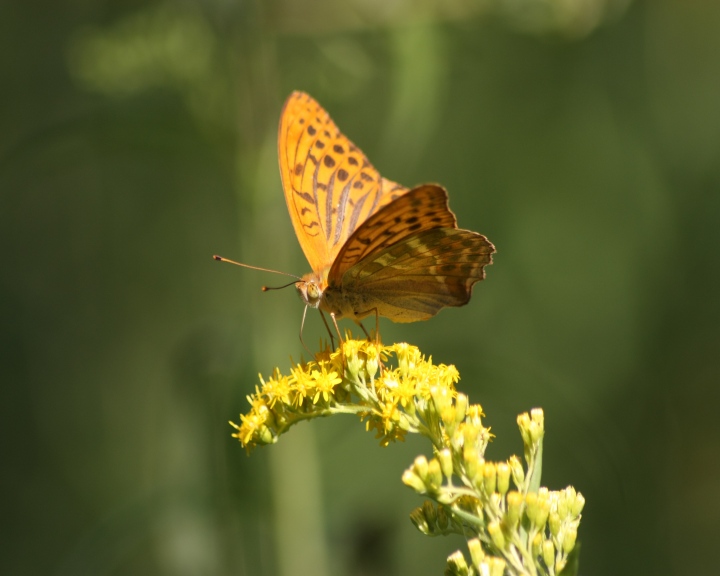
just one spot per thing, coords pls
(374, 246)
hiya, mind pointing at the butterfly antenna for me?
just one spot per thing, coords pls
(266, 288)
(221, 259)
(302, 325)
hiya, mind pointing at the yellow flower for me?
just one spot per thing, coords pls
(324, 382)
(251, 424)
(401, 389)
(276, 389)
(301, 383)
(408, 356)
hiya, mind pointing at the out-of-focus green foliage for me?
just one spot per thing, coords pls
(137, 139)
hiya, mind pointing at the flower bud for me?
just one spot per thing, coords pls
(471, 434)
(354, 364)
(458, 440)
(514, 507)
(569, 539)
(531, 506)
(496, 534)
(410, 478)
(435, 478)
(470, 460)
(456, 564)
(570, 495)
(537, 544)
(442, 397)
(430, 513)
(578, 505)
(372, 364)
(524, 423)
(543, 508)
(503, 477)
(538, 417)
(489, 477)
(554, 523)
(420, 467)
(476, 553)
(474, 415)
(562, 506)
(461, 404)
(265, 436)
(518, 472)
(548, 553)
(446, 463)
(497, 567)
(442, 518)
(418, 519)
(447, 415)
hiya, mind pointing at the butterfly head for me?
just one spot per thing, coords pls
(310, 289)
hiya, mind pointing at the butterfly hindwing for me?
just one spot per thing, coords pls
(422, 208)
(414, 278)
(330, 186)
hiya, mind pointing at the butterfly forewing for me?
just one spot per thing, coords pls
(422, 208)
(330, 187)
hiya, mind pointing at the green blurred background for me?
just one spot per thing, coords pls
(137, 139)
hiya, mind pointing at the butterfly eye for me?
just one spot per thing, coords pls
(313, 293)
(309, 293)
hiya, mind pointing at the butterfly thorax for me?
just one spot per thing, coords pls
(315, 292)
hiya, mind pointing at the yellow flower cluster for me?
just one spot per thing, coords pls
(356, 378)
(510, 529)
(516, 529)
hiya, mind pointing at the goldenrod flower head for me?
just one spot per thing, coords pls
(357, 378)
(397, 390)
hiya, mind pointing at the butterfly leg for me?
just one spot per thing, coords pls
(377, 325)
(337, 328)
(367, 335)
(327, 327)
(334, 321)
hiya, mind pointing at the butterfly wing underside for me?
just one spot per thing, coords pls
(408, 261)
(330, 186)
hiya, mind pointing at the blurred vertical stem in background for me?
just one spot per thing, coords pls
(295, 483)
(417, 87)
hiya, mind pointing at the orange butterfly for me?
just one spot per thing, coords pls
(374, 246)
